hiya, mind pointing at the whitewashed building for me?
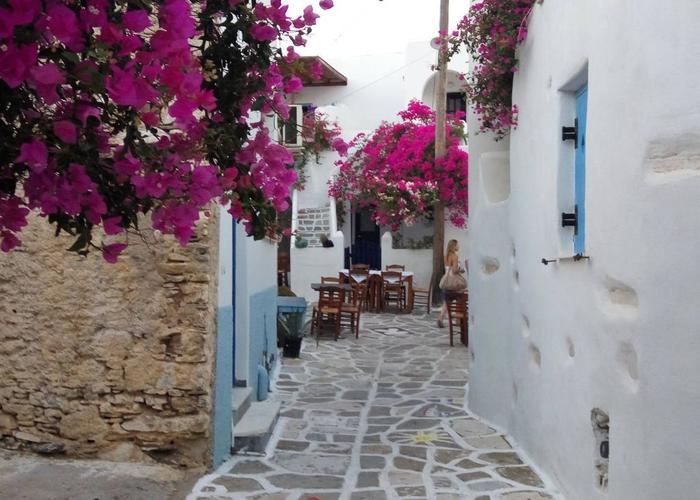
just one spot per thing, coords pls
(383, 51)
(593, 363)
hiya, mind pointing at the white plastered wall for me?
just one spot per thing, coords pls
(618, 332)
(308, 265)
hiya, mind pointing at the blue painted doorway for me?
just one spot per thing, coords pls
(366, 247)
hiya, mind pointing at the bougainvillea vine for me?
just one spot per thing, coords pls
(393, 170)
(110, 110)
(491, 32)
(318, 133)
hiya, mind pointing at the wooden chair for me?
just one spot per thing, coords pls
(328, 309)
(395, 267)
(359, 267)
(393, 289)
(353, 310)
(360, 276)
(422, 297)
(458, 315)
(398, 268)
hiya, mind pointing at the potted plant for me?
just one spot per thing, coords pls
(325, 241)
(300, 242)
(295, 328)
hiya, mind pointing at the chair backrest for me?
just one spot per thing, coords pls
(395, 267)
(392, 277)
(359, 267)
(330, 298)
(330, 279)
(457, 303)
(359, 290)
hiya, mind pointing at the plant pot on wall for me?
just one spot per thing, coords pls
(300, 242)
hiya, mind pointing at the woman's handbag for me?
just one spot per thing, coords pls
(453, 281)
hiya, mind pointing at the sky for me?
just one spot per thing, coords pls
(358, 27)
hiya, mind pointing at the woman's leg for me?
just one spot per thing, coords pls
(441, 316)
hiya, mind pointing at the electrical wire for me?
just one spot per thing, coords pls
(383, 77)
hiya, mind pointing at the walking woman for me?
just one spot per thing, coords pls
(453, 282)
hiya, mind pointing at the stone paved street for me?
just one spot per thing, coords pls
(377, 418)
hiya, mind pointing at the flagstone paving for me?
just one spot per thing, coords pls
(380, 417)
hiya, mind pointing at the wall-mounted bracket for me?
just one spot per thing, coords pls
(570, 133)
(575, 258)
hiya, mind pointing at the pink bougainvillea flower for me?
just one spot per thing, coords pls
(34, 154)
(150, 118)
(112, 225)
(13, 216)
(84, 112)
(291, 55)
(127, 166)
(24, 11)
(94, 15)
(293, 84)
(316, 70)
(340, 146)
(128, 89)
(176, 17)
(63, 24)
(310, 16)
(6, 24)
(326, 4)
(9, 241)
(263, 32)
(182, 110)
(111, 253)
(16, 62)
(136, 20)
(66, 131)
(44, 79)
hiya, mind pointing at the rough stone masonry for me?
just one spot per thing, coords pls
(313, 222)
(109, 360)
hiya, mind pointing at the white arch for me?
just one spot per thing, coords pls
(454, 84)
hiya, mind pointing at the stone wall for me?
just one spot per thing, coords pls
(109, 360)
(313, 222)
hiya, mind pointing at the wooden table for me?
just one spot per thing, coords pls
(375, 288)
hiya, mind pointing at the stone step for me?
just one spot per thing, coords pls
(253, 431)
(241, 398)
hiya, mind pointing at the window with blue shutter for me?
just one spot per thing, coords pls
(580, 170)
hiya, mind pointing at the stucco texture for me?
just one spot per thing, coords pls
(109, 360)
(617, 334)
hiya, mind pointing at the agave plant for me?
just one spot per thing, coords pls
(294, 325)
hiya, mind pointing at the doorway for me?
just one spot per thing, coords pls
(366, 247)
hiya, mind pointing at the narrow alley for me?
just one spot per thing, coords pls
(380, 417)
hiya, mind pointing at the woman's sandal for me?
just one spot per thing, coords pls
(440, 324)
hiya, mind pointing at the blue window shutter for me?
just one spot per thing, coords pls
(580, 177)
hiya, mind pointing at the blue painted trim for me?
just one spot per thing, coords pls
(223, 404)
(233, 301)
(580, 175)
(222, 438)
(262, 341)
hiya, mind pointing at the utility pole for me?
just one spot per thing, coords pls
(440, 150)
